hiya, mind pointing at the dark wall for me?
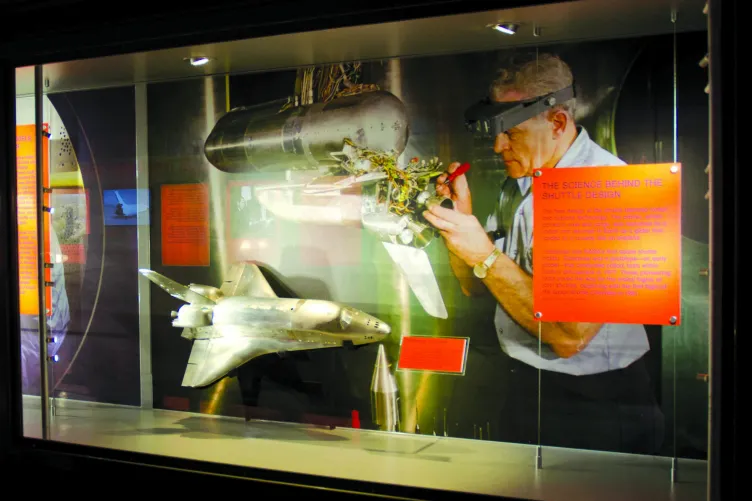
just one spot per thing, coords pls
(89, 28)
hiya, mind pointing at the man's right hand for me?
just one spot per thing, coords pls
(458, 190)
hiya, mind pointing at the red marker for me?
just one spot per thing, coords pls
(355, 419)
(454, 175)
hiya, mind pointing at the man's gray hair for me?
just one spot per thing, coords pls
(534, 75)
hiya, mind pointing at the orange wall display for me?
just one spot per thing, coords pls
(185, 225)
(26, 184)
(608, 244)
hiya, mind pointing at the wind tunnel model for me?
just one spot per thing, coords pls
(245, 319)
(347, 147)
(278, 136)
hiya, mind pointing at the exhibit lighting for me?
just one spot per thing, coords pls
(54, 358)
(199, 60)
(506, 28)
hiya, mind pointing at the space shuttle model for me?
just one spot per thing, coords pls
(341, 153)
(244, 319)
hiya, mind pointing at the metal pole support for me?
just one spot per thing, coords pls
(41, 214)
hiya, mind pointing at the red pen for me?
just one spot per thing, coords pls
(460, 170)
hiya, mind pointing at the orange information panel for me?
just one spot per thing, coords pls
(28, 252)
(433, 354)
(608, 244)
(185, 225)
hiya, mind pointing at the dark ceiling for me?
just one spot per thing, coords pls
(54, 30)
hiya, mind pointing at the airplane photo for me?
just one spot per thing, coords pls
(124, 210)
(126, 206)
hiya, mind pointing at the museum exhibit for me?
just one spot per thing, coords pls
(311, 252)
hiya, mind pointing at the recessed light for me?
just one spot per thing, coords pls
(198, 60)
(506, 28)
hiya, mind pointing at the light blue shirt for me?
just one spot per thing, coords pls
(615, 346)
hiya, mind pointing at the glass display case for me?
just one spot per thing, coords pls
(313, 252)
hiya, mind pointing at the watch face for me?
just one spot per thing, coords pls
(480, 271)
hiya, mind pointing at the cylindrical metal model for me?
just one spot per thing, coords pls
(422, 234)
(427, 200)
(384, 395)
(304, 137)
(384, 224)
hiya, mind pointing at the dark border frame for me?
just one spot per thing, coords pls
(724, 255)
(57, 31)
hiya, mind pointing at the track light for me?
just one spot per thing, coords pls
(506, 28)
(198, 60)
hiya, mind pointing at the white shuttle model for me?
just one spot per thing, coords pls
(244, 319)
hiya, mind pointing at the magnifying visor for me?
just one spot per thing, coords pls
(489, 118)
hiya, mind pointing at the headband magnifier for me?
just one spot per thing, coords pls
(489, 119)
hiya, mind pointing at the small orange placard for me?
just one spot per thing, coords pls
(26, 181)
(185, 225)
(608, 244)
(433, 354)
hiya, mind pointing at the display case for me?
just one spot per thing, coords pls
(312, 253)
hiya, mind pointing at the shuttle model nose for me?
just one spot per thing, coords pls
(384, 329)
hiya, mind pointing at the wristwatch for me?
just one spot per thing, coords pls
(480, 270)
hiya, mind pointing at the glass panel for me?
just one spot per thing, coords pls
(273, 256)
(27, 251)
(688, 350)
(651, 396)
(611, 395)
(56, 297)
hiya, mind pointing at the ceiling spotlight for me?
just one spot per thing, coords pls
(506, 28)
(198, 60)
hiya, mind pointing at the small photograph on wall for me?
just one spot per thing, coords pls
(71, 223)
(126, 207)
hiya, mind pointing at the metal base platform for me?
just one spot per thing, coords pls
(427, 461)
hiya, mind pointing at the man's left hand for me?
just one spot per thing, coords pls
(463, 234)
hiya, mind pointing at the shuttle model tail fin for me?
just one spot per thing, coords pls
(175, 289)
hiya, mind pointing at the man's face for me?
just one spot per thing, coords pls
(527, 146)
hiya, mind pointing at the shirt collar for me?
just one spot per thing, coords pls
(575, 149)
(568, 160)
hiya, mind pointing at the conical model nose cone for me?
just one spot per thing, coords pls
(384, 395)
(382, 380)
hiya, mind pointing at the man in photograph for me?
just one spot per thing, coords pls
(595, 389)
